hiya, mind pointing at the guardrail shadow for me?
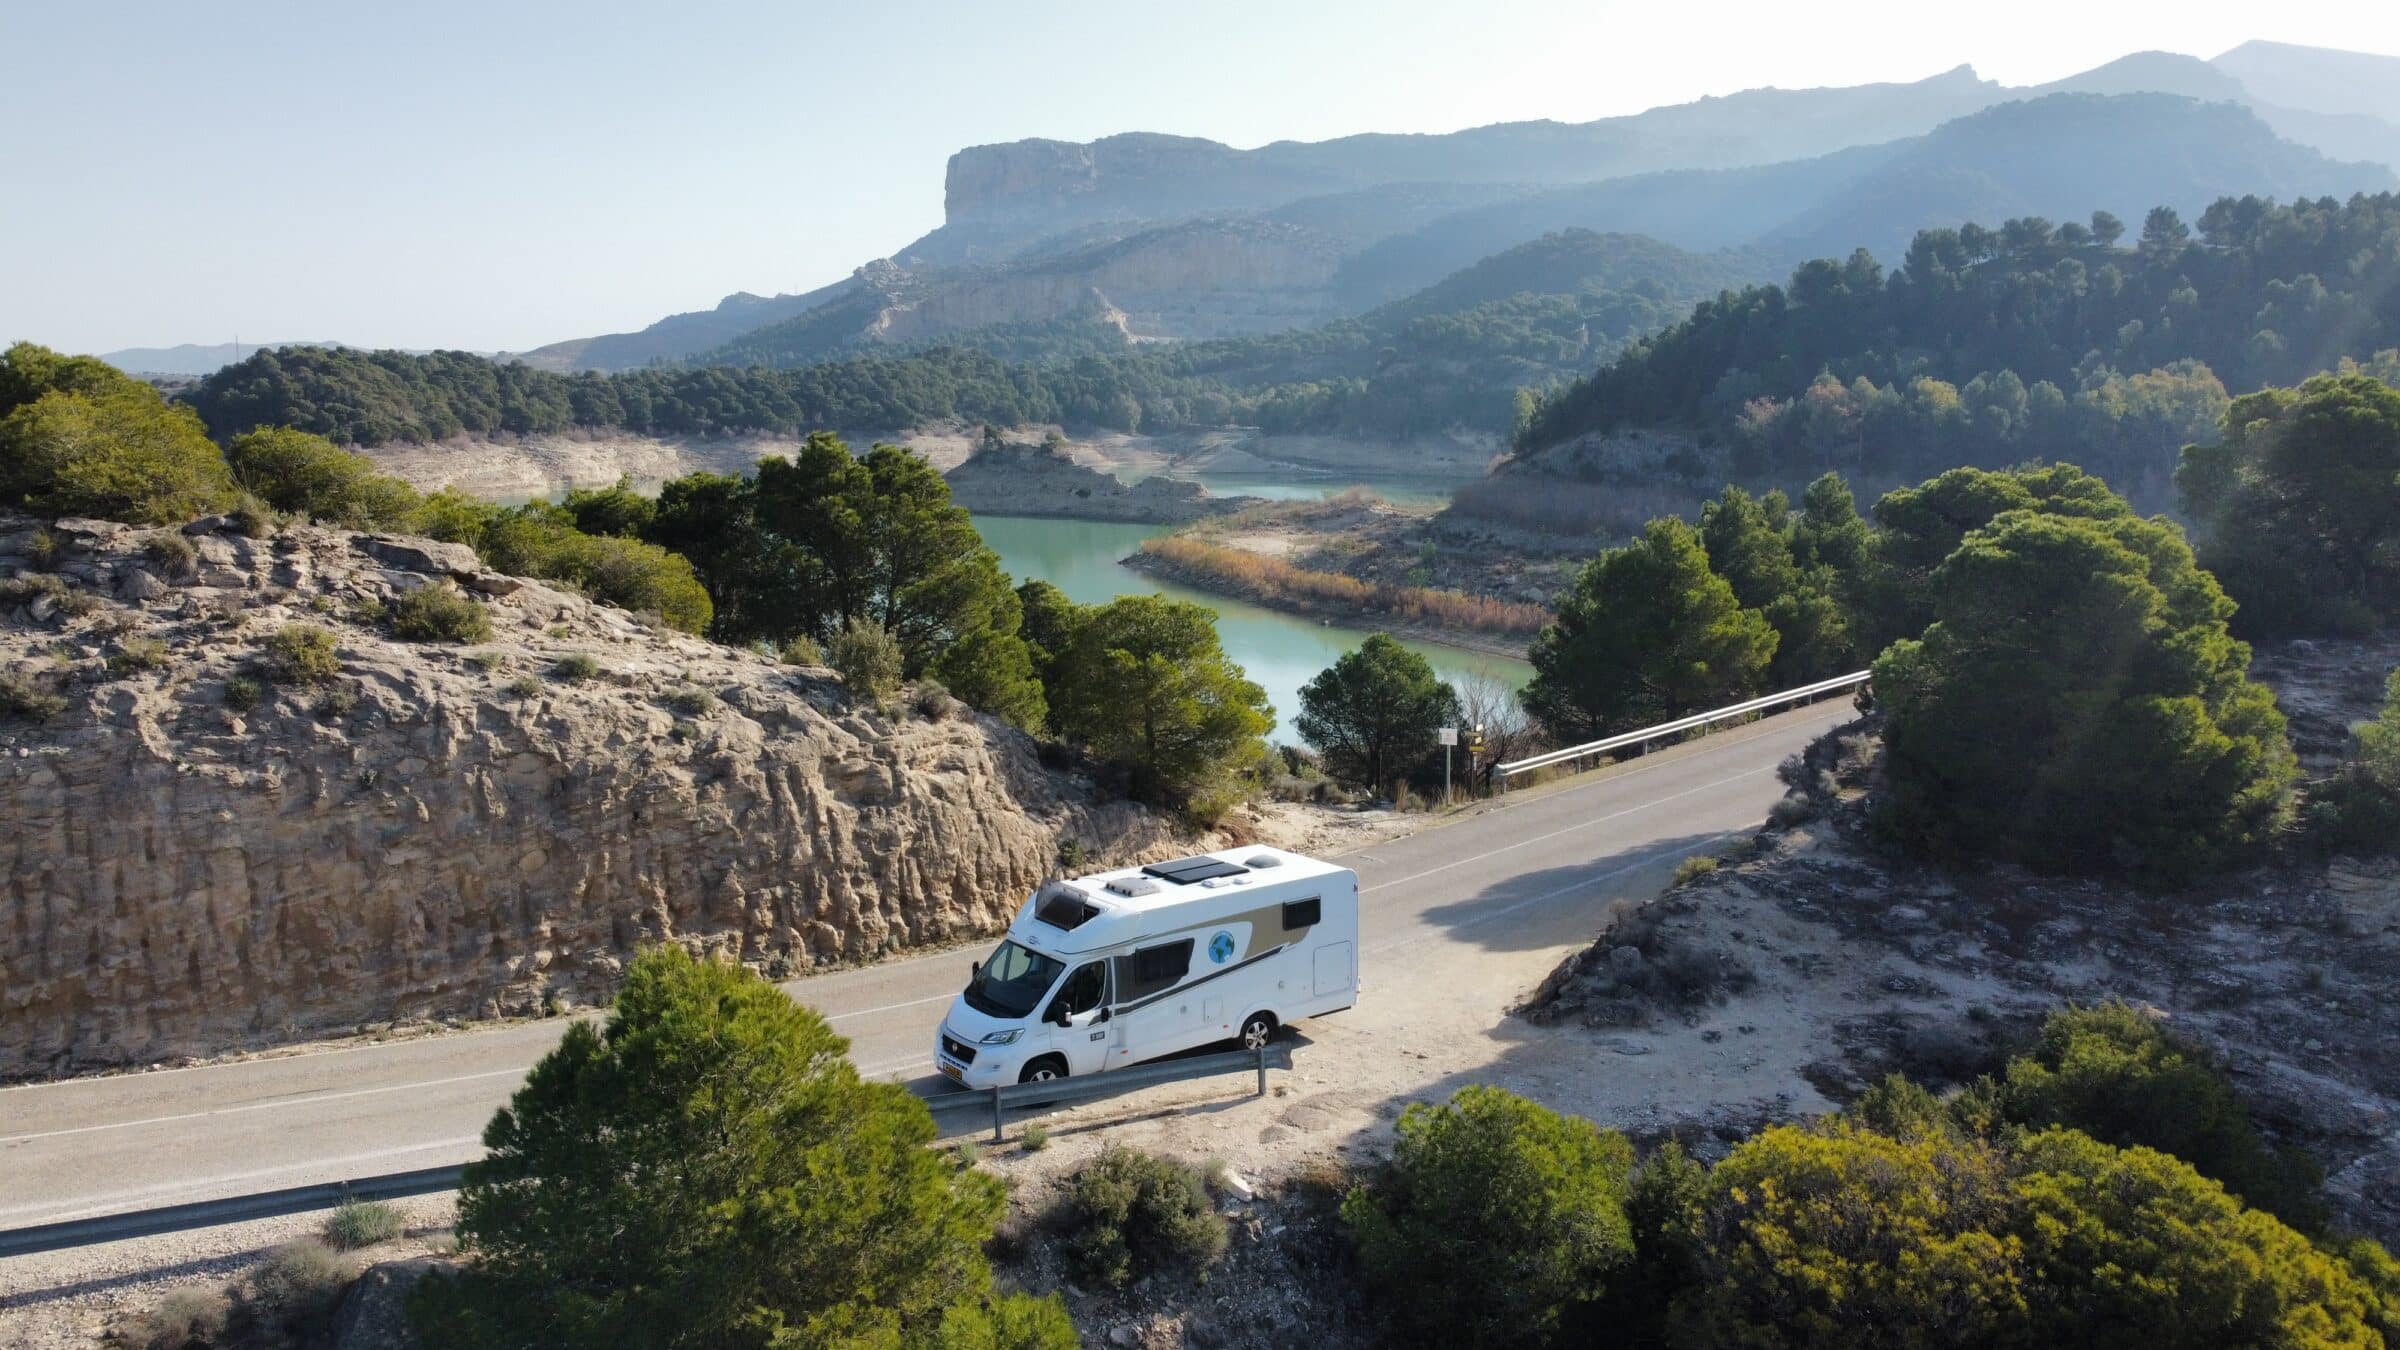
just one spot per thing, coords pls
(961, 1112)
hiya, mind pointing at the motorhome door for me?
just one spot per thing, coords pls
(1078, 1016)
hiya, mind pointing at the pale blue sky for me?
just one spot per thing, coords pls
(504, 175)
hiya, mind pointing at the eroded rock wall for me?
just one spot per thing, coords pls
(444, 830)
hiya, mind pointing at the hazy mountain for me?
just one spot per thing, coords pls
(1179, 237)
(191, 358)
(1574, 260)
(680, 335)
(2062, 157)
(2317, 79)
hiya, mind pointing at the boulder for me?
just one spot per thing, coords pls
(209, 525)
(137, 586)
(492, 583)
(428, 557)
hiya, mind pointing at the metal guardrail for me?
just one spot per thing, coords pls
(50, 1237)
(998, 1101)
(941, 1100)
(1501, 773)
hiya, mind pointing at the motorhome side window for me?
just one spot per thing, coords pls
(1152, 968)
(1299, 914)
(1083, 991)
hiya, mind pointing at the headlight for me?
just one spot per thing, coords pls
(1002, 1037)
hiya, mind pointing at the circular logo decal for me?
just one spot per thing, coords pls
(1220, 948)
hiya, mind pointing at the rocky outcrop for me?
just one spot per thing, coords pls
(1824, 961)
(1033, 480)
(203, 856)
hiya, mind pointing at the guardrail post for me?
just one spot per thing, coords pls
(996, 1133)
(1262, 1068)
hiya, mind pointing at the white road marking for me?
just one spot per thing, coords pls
(1570, 829)
(310, 1100)
(889, 1007)
(109, 1204)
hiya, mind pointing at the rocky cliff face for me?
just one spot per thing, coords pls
(1031, 480)
(442, 830)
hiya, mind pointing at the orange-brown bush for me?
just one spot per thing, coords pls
(1274, 579)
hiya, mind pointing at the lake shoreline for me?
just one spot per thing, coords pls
(1346, 616)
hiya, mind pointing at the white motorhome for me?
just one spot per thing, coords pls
(1119, 967)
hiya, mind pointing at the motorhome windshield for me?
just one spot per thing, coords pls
(1011, 982)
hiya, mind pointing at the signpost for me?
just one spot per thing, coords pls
(1448, 737)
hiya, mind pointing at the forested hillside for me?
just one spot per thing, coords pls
(1528, 318)
(2013, 341)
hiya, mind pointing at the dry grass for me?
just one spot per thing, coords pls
(1547, 504)
(1274, 579)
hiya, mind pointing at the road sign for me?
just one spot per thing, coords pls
(1448, 735)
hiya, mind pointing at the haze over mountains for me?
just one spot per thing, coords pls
(1178, 237)
(1147, 236)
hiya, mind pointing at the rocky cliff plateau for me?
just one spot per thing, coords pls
(435, 830)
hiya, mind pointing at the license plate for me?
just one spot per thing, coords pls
(951, 1071)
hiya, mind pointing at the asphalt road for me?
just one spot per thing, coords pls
(1541, 865)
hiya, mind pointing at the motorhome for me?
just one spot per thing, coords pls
(1120, 967)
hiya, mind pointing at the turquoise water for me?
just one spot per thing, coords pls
(1280, 651)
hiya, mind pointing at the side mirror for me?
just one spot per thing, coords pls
(975, 971)
(1059, 1016)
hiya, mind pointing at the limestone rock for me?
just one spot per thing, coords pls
(178, 880)
(424, 556)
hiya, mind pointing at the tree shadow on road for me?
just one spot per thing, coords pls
(1555, 905)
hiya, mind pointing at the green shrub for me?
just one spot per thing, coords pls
(1839, 1236)
(486, 662)
(1499, 1222)
(254, 519)
(135, 655)
(290, 1299)
(992, 671)
(337, 702)
(1133, 1213)
(2116, 1074)
(867, 658)
(708, 1169)
(363, 1223)
(2133, 1248)
(932, 701)
(575, 668)
(188, 1319)
(801, 650)
(119, 453)
(1036, 1137)
(525, 686)
(1692, 869)
(2358, 810)
(1143, 682)
(1374, 711)
(439, 613)
(244, 692)
(302, 653)
(2117, 730)
(542, 541)
(173, 555)
(691, 701)
(309, 476)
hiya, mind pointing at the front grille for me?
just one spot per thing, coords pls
(957, 1049)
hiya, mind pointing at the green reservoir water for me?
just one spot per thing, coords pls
(1280, 652)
